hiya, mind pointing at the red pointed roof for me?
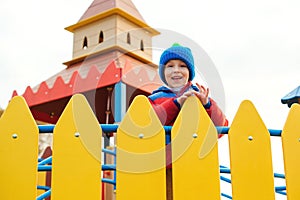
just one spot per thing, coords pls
(101, 6)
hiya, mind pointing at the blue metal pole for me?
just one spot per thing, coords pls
(120, 101)
(277, 175)
(225, 179)
(42, 187)
(46, 161)
(226, 195)
(113, 128)
(44, 195)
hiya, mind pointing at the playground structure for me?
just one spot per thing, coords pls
(110, 66)
(140, 154)
(111, 63)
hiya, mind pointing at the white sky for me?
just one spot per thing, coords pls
(253, 44)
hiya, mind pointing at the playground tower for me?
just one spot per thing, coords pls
(111, 64)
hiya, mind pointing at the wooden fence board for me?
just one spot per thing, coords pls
(291, 152)
(76, 163)
(250, 155)
(18, 152)
(141, 154)
(195, 154)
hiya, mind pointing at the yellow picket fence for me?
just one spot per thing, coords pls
(141, 157)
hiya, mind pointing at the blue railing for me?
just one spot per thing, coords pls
(45, 164)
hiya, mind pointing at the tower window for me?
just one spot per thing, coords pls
(85, 43)
(128, 38)
(101, 37)
(142, 45)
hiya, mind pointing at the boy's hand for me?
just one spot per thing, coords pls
(202, 94)
(184, 96)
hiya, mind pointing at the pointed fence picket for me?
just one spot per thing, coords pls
(18, 152)
(250, 153)
(195, 154)
(291, 151)
(76, 155)
(141, 154)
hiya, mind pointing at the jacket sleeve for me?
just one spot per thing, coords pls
(166, 110)
(216, 115)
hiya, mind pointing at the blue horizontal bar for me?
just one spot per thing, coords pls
(226, 195)
(110, 181)
(46, 128)
(111, 152)
(42, 168)
(274, 132)
(225, 170)
(108, 167)
(111, 167)
(281, 192)
(42, 187)
(49, 167)
(107, 128)
(277, 175)
(225, 179)
(221, 166)
(46, 161)
(44, 195)
(222, 129)
(280, 188)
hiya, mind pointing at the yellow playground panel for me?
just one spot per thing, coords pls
(140, 168)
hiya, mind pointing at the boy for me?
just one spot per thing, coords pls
(176, 70)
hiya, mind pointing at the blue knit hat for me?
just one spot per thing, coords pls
(177, 52)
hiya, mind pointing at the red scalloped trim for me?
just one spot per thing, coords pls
(94, 79)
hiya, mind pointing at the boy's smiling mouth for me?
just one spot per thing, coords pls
(176, 77)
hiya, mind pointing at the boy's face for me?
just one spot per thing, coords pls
(176, 73)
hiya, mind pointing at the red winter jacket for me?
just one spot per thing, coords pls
(167, 108)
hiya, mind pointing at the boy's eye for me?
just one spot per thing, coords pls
(183, 66)
(169, 66)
